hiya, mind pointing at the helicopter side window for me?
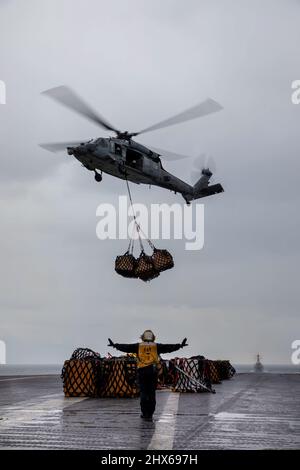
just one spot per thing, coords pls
(118, 149)
(134, 159)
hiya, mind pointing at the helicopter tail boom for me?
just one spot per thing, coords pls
(209, 191)
(202, 187)
(200, 190)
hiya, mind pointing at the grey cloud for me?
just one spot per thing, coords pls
(137, 63)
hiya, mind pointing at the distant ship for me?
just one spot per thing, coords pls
(258, 367)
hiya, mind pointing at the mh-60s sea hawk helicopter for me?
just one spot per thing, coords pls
(124, 158)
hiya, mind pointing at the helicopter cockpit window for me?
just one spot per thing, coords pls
(101, 142)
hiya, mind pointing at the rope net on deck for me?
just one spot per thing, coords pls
(119, 376)
(191, 375)
(87, 374)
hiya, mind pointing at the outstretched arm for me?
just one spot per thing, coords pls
(168, 348)
(128, 348)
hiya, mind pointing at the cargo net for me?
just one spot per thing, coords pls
(82, 374)
(162, 374)
(225, 369)
(213, 371)
(145, 267)
(191, 375)
(85, 353)
(81, 378)
(119, 378)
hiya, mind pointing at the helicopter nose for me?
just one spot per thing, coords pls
(79, 150)
(91, 147)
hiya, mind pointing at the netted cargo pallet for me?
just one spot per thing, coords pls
(87, 375)
(119, 378)
(213, 370)
(225, 369)
(145, 269)
(191, 375)
(125, 265)
(205, 372)
(162, 260)
(85, 353)
(81, 377)
(162, 374)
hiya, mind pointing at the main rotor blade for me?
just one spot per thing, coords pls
(59, 146)
(202, 109)
(68, 98)
(169, 155)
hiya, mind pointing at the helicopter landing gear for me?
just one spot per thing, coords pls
(98, 176)
(188, 202)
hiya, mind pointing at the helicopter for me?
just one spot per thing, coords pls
(124, 158)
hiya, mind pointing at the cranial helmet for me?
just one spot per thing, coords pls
(148, 335)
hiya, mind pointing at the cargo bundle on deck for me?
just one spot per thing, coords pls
(87, 374)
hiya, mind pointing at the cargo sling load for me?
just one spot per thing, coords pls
(145, 267)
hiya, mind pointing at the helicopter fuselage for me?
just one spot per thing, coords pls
(124, 158)
(127, 159)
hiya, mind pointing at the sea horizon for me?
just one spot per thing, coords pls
(55, 369)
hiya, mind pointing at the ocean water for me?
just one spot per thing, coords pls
(30, 369)
(50, 369)
(269, 368)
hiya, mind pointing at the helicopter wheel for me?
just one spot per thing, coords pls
(98, 177)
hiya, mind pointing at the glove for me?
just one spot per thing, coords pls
(110, 343)
(184, 343)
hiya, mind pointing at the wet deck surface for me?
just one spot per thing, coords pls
(248, 412)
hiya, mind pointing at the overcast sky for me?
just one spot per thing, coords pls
(139, 62)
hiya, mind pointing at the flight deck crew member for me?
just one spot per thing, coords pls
(148, 353)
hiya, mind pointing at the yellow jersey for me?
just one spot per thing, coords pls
(147, 354)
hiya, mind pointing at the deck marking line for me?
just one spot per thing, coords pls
(163, 437)
(21, 411)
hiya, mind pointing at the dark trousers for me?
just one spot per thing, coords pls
(147, 380)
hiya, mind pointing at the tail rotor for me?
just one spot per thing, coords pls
(204, 165)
